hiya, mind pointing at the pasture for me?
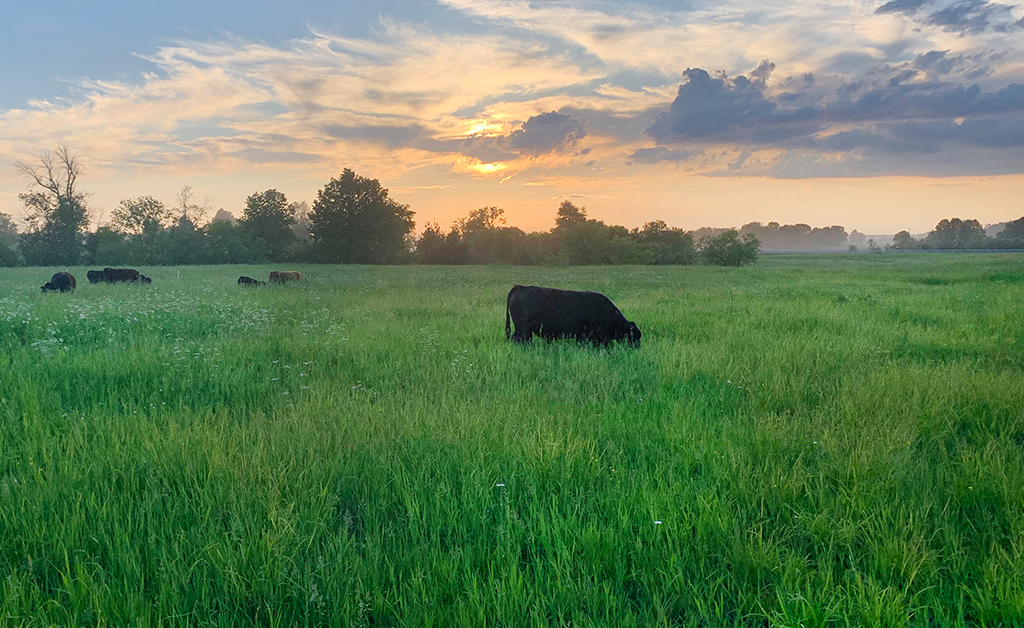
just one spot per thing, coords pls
(814, 441)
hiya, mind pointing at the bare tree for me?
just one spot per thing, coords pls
(56, 171)
(55, 209)
(55, 174)
(190, 214)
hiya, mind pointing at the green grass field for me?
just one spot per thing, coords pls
(814, 441)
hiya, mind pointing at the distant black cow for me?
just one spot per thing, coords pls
(552, 313)
(60, 282)
(124, 275)
(95, 276)
(249, 281)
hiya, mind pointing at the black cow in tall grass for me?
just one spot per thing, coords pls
(117, 275)
(552, 313)
(249, 281)
(60, 282)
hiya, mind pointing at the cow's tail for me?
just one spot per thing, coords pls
(508, 316)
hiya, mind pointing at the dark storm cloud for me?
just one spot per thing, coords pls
(892, 110)
(972, 16)
(963, 16)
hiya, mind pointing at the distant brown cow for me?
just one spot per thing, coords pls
(284, 276)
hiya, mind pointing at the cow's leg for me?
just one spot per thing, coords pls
(520, 336)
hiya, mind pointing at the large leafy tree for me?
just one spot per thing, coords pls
(230, 244)
(8, 230)
(143, 214)
(8, 256)
(269, 217)
(140, 222)
(1012, 233)
(56, 211)
(569, 216)
(954, 233)
(434, 247)
(483, 219)
(903, 241)
(667, 244)
(354, 221)
(8, 240)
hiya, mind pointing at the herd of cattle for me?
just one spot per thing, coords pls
(65, 282)
(276, 276)
(550, 313)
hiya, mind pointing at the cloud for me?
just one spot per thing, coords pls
(550, 132)
(972, 16)
(903, 6)
(211, 104)
(662, 153)
(892, 111)
(962, 16)
(728, 109)
(562, 86)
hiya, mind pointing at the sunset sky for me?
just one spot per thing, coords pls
(876, 116)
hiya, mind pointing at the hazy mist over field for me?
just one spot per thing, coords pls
(876, 116)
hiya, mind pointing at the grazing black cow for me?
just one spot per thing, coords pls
(60, 282)
(124, 275)
(95, 276)
(552, 313)
(249, 281)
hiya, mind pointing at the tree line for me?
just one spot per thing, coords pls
(352, 221)
(956, 234)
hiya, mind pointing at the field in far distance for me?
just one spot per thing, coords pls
(814, 441)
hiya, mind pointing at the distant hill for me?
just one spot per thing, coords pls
(225, 215)
(993, 230)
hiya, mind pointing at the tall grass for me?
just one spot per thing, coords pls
(815, 441)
